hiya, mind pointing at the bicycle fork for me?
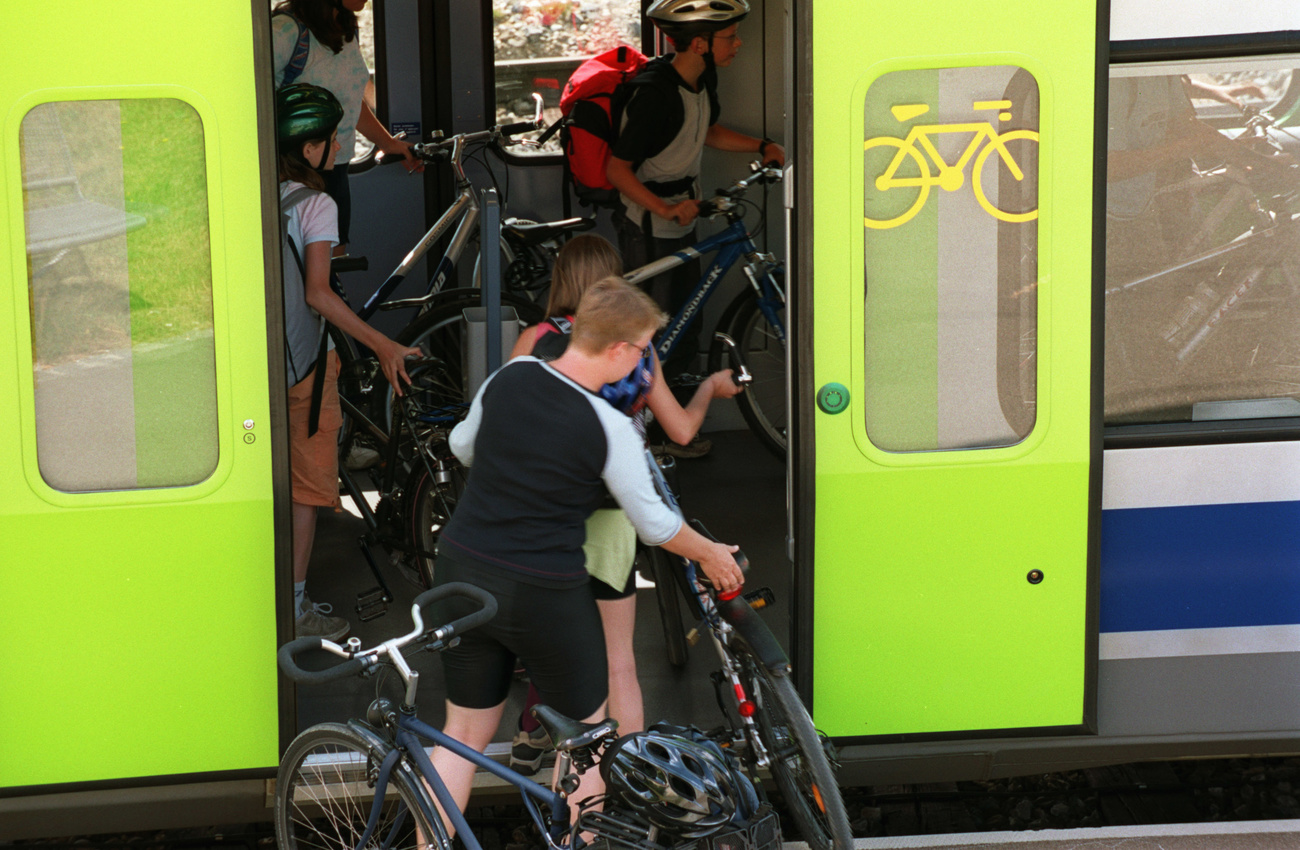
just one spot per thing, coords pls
(730, 679)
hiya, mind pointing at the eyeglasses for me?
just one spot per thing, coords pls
(732, 37)
(645, 350)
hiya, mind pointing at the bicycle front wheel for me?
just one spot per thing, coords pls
(325, 789)
(763, 402)
(799, 763)
(1014, 176)
(440, 334)
(668, 596)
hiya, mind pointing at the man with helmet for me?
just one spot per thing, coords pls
(307, 119)
(655, 162)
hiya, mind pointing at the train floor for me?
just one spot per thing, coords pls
(738, 491)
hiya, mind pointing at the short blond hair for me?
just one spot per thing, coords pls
(582, 261)
(613, 310)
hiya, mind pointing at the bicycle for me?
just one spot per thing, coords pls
(948, 177)
(754, 319)
(1166, 343)
(767, 722)
(527, 248)
(336, 782)
(418, 481)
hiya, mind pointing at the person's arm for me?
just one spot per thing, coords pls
(322, 299)
(524, 345)
(627, 477)
(373, 129)
(621, 176)
(726, 139)
(683, 423)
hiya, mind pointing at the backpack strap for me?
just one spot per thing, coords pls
(298, 61)
(293, 199)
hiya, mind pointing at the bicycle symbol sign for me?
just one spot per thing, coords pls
(919, 147)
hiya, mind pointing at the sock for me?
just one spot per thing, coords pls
(527, 722)
(299, 593)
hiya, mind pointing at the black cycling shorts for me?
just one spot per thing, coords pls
(555, 632)
(600, 590)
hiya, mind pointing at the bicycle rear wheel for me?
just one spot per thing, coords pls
(432, 499)
(763, 401)
(799, 760)
(325, 789)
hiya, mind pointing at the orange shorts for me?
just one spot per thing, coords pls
(314, 461)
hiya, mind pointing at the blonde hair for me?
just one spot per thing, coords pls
(613, 310)
(582, 261)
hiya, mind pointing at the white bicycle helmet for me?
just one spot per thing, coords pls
(682, 20)
(720, 12)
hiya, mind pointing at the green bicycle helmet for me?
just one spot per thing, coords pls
(305, 113)
(685, 19)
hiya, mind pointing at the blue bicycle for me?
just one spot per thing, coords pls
(755, 319)
(371, 784)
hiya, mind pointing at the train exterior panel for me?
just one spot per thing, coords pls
(1167, 619)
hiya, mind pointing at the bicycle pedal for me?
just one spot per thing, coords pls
(372, 604)
(760, 598)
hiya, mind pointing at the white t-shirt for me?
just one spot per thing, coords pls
(315, 219)
(345, 75)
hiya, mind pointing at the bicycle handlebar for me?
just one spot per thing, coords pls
(724, 200)
(357, 660)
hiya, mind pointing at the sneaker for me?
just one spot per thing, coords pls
(697, 447)
(360, 457)
(316, 622)
(528, 749)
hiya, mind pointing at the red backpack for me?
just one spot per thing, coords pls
(592, 104)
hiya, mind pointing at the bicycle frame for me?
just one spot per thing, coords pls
(465, 210)
(409, 727)
(731, 244)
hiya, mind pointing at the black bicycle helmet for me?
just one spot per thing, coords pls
(682, 20)
(305, 113)
(676, 784)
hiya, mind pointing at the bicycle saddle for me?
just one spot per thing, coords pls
(569, 734)
(533, 232)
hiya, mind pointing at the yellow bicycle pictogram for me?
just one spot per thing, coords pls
(919, 146)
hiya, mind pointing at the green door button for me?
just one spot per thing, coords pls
(833, 398)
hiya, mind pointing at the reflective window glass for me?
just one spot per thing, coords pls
(538, 44)
(120, 276)
(1203, 242)
(951, 258)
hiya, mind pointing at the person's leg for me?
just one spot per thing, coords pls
(618, 616)
(473, 727)
(304, 535)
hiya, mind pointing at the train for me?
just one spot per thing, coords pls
(1042, 374)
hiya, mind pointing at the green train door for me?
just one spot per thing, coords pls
(135, 439)
(955, 421)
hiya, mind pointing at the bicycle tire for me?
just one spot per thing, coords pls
(875, 193)
(669, 600)
(799, 764)
(763, 402)
(977, 177)
(430, 506)
(440, 333)
(325, 789)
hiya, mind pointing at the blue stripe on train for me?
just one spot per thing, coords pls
(1200, 567)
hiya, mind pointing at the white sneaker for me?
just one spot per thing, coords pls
(316, 622)
(360, 457)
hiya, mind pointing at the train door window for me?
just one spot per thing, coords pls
(120, 283)
(538, 44)
(1203, 241)
(363, 148)
(951, 258)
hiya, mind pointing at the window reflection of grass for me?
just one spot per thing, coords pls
(164, 179)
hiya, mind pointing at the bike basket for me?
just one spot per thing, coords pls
(762, 833)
